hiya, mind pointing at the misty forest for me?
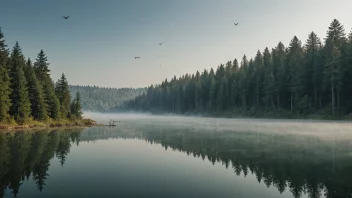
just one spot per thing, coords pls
(314, 78)
(103, 99)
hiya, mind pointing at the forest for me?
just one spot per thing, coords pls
(310, 79)
(101, 99)
(27, 92)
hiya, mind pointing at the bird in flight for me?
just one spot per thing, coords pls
(66, 17)
(137, 57)
(160, 43)
(235, 24)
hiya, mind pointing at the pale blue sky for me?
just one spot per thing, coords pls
(98, 43)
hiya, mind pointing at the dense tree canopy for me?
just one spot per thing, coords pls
(301, 79)
(27, 91)
(103, 99)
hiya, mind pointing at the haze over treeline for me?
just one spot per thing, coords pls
(102, 99)
(297, 79)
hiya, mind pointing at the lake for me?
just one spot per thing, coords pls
(171, 156)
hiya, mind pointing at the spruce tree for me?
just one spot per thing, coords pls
(78, 106)
(269, 87)
(63, 94)
(5, 92)
(4, 53)
(332, 75)
(21, 107)
(35, 92)
(314, 67)
(296, 73)
(42, 74)
(336, 33)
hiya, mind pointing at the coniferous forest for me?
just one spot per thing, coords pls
(27, 92)
(301, 79)
(103, 99)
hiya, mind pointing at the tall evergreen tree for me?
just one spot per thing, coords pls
(21, 107)
(332, 75)
(314, 67)
(297, 73)
(76, 107)
(63, 94)
(5, 92)
(42, 74)
(4, 53)
(35, 92)
(336, 33)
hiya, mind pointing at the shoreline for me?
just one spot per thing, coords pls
(60, 124)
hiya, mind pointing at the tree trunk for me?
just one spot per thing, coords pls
(315, 98)
(332, 97)
(338, 99)
(291, 101)
(278, 102)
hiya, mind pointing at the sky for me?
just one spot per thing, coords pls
(98, 43)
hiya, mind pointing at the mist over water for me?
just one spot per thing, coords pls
(175, 156)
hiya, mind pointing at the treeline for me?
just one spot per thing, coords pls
(101, 99)
(313, 78)
(27, 91)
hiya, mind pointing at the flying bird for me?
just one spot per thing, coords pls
(66, 17)
(160, 43)
(235, 24)
(137, 57)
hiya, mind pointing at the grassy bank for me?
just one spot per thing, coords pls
(11, 124)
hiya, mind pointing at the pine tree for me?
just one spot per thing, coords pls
(63, 94)
(4, 53)
(336, 33)
(78, 106)
(296, 73)
(212, 93)
(269, 87)
(332, 75)
(42, 74)
(21, 107)
(314, 67)
(5, 92)
(35, 93)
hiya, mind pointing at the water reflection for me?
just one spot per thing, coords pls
(305, 165)
(310, 166)
(25, 154)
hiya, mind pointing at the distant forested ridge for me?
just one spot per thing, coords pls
(101, 99)
(27, 91)
(301, 79)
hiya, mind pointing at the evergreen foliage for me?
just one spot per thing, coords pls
(302, 79)
(101, 99)
(42, 73)
(28, 92)
(76, 107)
(63, 94)
(36, 93)
(21, 107)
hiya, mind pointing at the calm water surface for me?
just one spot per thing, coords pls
(154, 156)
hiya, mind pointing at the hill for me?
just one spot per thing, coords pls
(101, 99)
